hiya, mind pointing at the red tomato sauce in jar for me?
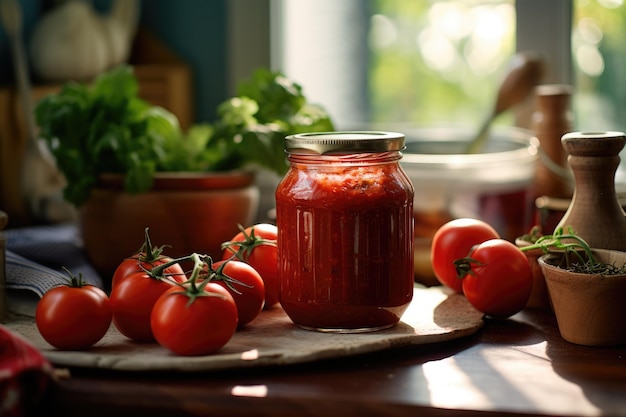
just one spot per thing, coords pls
(345, 233)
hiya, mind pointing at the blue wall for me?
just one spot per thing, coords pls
(194, 29)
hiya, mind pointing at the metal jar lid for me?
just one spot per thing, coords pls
(323, 143)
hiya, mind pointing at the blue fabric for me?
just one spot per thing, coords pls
(36, 256)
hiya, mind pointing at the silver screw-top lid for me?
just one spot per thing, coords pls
(344, 142)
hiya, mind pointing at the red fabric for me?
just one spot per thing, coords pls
(25, 374)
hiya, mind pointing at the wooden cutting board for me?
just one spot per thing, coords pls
(272, 339)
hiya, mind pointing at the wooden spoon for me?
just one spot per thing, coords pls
(524, 74)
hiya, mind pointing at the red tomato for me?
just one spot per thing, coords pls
(201, 327)
(498, 279)
(256, 245)
(138, 261)
(454, 240)
(147, 257)
(132, 300)
(73, 317)
(249, 293)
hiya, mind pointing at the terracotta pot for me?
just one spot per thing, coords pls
(539, 297)
(190, 212)
(589, 308)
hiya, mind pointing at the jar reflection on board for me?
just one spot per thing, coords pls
(344, 213)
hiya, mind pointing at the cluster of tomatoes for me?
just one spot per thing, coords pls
(154, 298)
(470, 257)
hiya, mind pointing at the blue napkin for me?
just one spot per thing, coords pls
(36, 256)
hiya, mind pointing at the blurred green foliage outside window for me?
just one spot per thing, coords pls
(441, 61)
(437, 61)
(599, 60)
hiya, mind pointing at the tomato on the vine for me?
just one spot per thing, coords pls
(256, 245)
(497, 278)
(194, 320)
(73, 316)
(454, 240)
(132, 300)
(245, 285)
(147, 257)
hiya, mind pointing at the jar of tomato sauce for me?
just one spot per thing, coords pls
(344, 213)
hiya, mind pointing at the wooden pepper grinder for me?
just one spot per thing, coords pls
(595, 213)
(552, 119)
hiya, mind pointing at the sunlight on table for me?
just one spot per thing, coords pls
(454, 383)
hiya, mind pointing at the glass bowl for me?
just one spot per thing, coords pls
(494, 185)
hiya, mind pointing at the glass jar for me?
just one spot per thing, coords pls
(344, 212)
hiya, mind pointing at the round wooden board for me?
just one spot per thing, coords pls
(272, 339)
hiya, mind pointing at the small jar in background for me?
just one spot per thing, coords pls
(551, 120)
(344, 213)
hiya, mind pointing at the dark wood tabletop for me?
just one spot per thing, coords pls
(518, 366)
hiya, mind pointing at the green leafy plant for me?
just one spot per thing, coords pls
(577, 254)
(105, 127)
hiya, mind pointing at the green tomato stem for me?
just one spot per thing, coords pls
(157, 271)
(245, 247)
(149, 253)
(73, 280)
(463, 266)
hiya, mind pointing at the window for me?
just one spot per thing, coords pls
(599, 57)
(394, 61)
(437, 61)
(421, 61)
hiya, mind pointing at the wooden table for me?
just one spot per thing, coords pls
(519, 366)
